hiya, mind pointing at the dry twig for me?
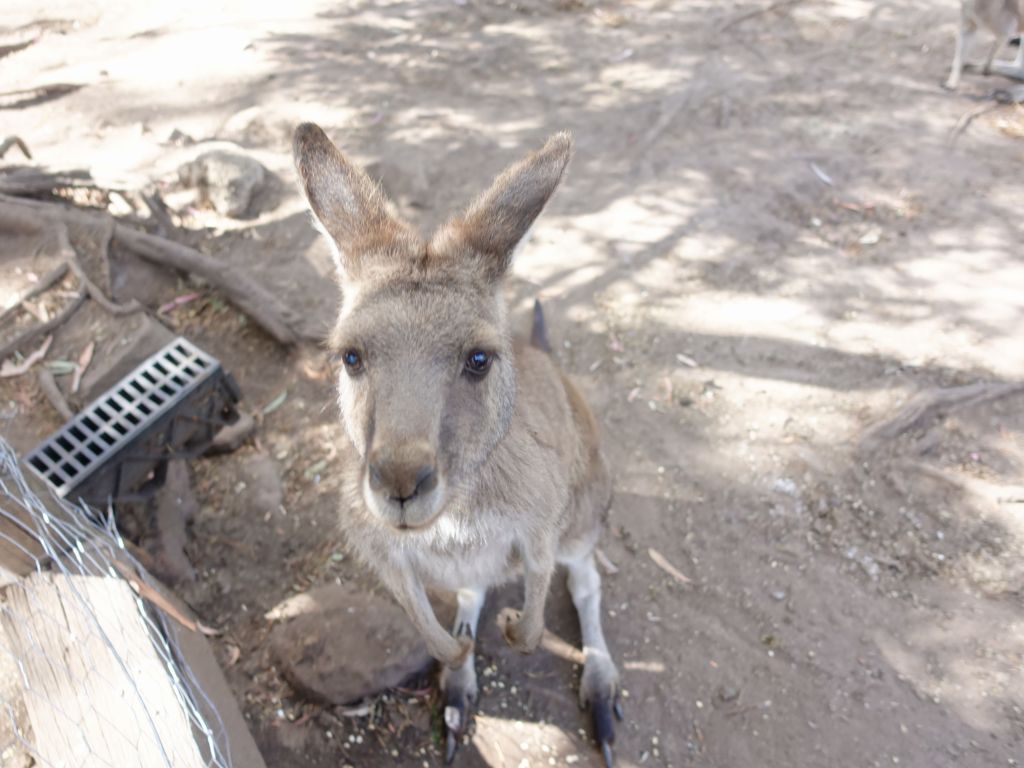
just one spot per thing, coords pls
(663, 563)
(550, 642)
(147, 592)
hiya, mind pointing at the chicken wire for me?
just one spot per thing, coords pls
(75, 690)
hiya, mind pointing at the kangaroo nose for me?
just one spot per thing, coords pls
(402, 477)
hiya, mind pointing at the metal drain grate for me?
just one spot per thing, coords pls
(168, 407)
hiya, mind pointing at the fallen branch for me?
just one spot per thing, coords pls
(928, 406)
(147, 592)
(550, 642)
(14, 141)
(31, 333)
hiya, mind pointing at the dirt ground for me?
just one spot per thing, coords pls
(766, 248)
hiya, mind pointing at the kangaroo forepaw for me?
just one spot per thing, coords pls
(519, 634)
(600, 691)
(455, 656)
(459, 690)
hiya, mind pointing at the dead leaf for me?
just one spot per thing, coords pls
(147, 592)
(234, 653)
(274, 404)
(665, 389)
(686, 360)
(83, 363)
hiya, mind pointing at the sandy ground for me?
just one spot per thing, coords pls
(766, 247)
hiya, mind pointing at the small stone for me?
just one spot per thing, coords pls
(226, 180)
(728, 694)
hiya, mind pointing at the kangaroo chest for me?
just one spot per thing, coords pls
(461, 554)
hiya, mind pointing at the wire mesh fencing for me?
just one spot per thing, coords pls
(91, 673)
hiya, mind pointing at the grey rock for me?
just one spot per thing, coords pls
(226, 180)
(338, 644)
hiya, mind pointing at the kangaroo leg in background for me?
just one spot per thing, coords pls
(523, 629)
(599, 686)
(964, 36)
(992, 54)
(458, 684)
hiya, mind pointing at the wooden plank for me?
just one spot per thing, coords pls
(220, 706)
(96, 690)
(19, 549)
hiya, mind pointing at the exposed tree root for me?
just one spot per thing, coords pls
(930, 405)
(48, 280)
(262, 306)
(35, 331)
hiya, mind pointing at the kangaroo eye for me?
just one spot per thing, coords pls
(352, 360)
(477, 362)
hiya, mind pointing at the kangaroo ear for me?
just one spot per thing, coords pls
(499, 219)
(349, 206)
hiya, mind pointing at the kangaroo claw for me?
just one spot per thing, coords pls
(601, 711)
(450, 744)
(457, 711)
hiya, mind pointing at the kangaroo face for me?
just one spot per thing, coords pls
(427, 386)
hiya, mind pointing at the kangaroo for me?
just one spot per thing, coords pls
(1003, 18)
(470, 457)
